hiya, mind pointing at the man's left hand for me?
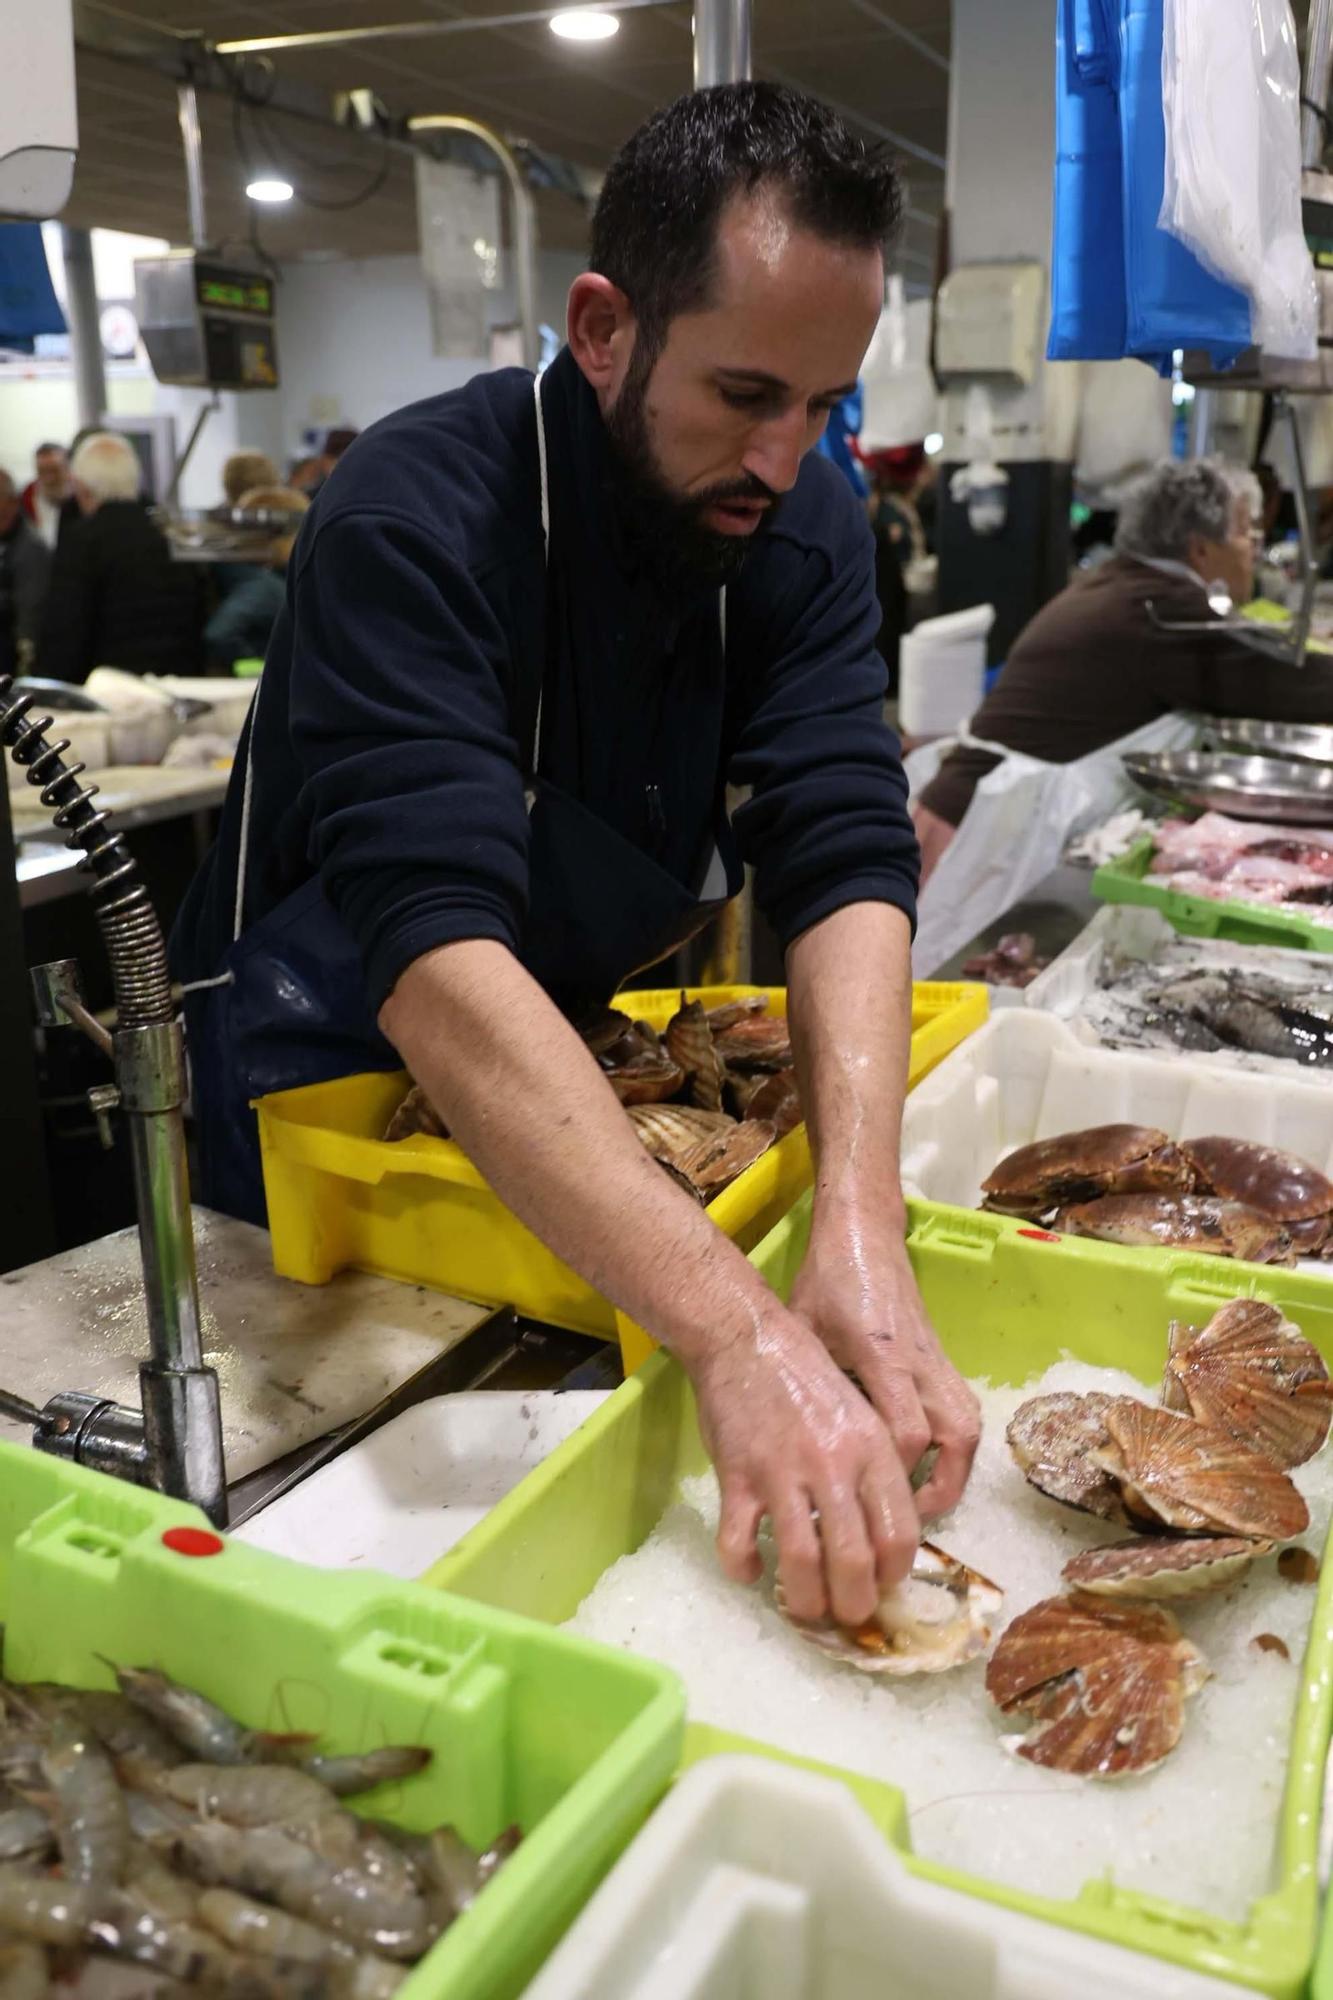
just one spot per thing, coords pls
(857, 1291)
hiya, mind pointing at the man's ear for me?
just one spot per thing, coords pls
(600, 328)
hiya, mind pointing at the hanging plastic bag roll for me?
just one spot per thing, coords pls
(1231, 87)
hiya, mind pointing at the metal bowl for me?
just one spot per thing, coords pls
(1306, 742)
(1268, 788)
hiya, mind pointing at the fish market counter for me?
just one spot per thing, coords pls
(1052, 914)
(295, 1361)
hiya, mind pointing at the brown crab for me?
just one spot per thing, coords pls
(1079, 1166)
(1278, 1185)
(1203, 1223)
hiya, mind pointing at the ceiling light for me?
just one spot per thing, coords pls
(934, 443)
(584, 24)
(269, 190)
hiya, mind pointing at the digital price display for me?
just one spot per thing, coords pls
(235, 293)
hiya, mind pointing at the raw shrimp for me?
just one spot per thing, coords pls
(24, 1831)
(265, 1862)
(24, 1973)
(129, 1928)
(254, 1795)
(348, 1775)
(92, 1824)
(198, 1724)
(32, 1906)
(248, 1926)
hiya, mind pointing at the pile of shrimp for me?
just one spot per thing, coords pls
(148, 1827)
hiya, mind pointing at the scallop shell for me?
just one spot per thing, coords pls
(670, 1130)
(731, 1011)
(719, 1157)
(1105, 1684)
(416, 1114)
(1051, 1438)
(763, 1041)
(1163, 1565)
(604, 1027)
(939, 1617)
(1176, 1473)
(777, 1099)
(647, 1076)
(1253, 1374)
(689, 1042)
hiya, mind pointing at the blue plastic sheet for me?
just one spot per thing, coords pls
(1120, 285)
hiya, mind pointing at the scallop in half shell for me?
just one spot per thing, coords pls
(1104, 1684)
(1175, 1473)
(940, 1616)
(1254, 1374)
(1157, 1566)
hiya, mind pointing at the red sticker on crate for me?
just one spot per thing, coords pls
(193, 1541)
(1040, 1235)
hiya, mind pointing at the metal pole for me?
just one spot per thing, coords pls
(1318, 58)
(27, 1230)
(187, 110)
(85, 333)
(525, 219)
(721, 42)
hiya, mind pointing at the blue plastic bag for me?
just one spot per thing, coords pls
(1119, 283)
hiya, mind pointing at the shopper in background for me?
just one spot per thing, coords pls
(309, 474)
(117, 599)
(239, 629)
(1100, 660)
(48, 500)
(895, 475)
(243, 472)
(25, 569)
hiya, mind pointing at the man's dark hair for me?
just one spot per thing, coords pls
(47, 447)
(655, 224)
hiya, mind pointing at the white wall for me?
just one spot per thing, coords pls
(354, 337)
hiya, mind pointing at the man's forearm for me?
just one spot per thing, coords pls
(849, 999)
(527, 1103)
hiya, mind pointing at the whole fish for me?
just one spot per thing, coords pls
(1246, 1016)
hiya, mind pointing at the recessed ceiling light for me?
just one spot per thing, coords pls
(584, 24)
(269, 190)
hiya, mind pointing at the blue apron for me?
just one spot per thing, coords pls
(288, 1005)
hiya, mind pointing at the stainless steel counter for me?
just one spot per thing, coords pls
(138, 794)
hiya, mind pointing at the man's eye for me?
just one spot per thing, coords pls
(743, 399)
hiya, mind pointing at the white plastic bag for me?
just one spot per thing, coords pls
(1231, 87)
(1016, 828)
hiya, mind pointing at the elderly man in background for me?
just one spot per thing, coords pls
(48, 499)
(25, 570)
(1099, 661)
(117, 599)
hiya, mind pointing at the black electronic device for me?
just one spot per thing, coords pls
(206, 323)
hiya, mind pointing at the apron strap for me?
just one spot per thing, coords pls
(545, 492)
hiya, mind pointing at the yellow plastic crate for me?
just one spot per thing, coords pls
(419, 1211)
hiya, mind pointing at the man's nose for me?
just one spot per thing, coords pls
(776, 449)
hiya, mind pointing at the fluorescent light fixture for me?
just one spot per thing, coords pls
(584, 24)
(934, 442)
(269, 190)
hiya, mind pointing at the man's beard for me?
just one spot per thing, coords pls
(667, 530)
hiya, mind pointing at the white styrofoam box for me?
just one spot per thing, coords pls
(759, 1881)
(942, 670)
(1027, 1076)
(412, 1489)
(1123, 931)
(228, 701)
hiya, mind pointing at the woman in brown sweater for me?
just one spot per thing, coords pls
(1095, 663)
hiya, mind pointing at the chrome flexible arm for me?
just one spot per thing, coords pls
(176, 1445)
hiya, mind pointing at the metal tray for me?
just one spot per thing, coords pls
(1267, 788)
(1306, 742)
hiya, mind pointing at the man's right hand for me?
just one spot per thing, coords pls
(793, 1439)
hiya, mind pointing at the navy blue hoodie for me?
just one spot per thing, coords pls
(391, 726)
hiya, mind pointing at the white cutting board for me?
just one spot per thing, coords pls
(403, 1496)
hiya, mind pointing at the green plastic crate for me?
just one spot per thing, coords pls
(1126, 880)
(1006, 1304)
(573, 1741)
